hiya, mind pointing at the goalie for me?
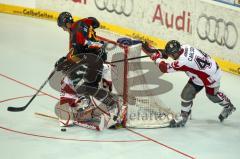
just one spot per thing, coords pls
(85, 111)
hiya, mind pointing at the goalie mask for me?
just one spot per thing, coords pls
(64, 18)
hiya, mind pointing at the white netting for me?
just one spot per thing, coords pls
(138, 88)
(145, 108)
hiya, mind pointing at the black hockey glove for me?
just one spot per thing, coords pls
(63, 64)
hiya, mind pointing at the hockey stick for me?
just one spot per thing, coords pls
(147, 49)
(129, 59)
(18, 109)
(45, 115)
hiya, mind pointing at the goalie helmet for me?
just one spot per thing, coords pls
(172, 47)
(64, 18)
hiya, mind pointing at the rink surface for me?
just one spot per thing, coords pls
(29, 48)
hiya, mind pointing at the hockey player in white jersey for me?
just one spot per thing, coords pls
(202, 71)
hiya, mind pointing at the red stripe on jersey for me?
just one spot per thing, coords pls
(202, 75)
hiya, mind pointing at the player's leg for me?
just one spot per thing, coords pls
(216, 96)
(105, 97)
(188, 94)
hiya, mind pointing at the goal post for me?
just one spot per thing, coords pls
(139, 87)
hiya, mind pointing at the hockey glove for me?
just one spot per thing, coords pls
(159, 54)
(60, 61)
(63, 64)
(156, 56)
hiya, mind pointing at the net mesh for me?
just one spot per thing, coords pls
(133, 83)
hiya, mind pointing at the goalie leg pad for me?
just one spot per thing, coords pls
(94, 123)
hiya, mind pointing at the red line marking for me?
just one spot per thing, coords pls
(27, 85)
(161, 143)
(2, 101)
(139, 134)
(68, 139)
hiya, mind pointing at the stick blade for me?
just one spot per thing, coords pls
(16, 109)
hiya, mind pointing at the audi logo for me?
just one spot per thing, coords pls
(217, 30)
(124, 7)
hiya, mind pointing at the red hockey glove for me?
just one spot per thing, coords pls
(156, 56)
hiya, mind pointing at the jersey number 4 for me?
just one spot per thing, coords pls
(202, 63)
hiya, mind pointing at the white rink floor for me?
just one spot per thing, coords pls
(29, 48)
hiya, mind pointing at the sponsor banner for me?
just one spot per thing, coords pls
(169, 19)
(228, 66)
(217, 33)
(30, 12)
(217, 30)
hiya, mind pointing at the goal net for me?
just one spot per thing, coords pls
(139, 86)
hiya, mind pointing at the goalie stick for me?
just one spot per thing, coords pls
(18, 109)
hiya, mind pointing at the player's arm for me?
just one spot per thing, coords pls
(167, 67)
(158, 53)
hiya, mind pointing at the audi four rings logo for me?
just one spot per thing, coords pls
(124, 7)
(217, 30)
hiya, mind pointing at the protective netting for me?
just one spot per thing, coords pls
(138, 84)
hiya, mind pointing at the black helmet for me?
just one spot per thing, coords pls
(172, 47)
(64, 18)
